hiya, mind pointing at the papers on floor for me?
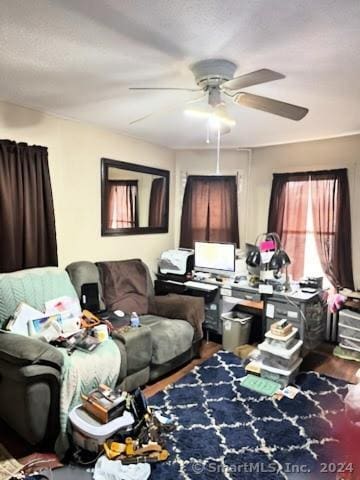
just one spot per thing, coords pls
(290, 392)
(9, 467)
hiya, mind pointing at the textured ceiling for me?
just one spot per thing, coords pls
(77, 58)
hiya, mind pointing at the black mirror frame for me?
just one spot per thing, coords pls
(106, 163)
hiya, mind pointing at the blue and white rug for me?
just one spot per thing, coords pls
(226, 431)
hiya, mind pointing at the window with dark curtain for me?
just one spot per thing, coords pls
(157, 203)
(122, 204)
(210, 210)
(27, 223)
(314, 207)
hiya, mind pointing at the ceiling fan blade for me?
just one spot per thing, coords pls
(167, 88)
(166, 110)
(141, 118)
(253, 78)
(270, 105)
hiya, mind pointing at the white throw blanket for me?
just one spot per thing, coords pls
(81, 373)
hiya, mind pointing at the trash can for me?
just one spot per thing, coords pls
(236, 329)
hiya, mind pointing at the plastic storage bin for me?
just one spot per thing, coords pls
(236, 329)
(282, 342)
(351, 332)
(349, 318)
(349, 342)
(281, 375)
(90, 434)
(280, 357)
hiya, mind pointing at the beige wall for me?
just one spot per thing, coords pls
(203, 162)
(75, 150)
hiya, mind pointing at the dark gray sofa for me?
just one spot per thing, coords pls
(30, 370)
(167, 338)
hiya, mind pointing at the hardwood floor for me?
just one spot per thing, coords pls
(321, 361)
(206, 351)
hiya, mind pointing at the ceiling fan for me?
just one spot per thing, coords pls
(215, 77)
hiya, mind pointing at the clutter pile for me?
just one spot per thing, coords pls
(274, 364)
(280, 353)
(64, 324)
(115, 432)
(120, 425)
(36, 466)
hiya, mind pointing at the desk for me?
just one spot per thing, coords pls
(305, 311)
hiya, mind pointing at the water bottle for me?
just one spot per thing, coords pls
(134, 320)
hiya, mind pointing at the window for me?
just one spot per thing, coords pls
(123, 211)
(312, 263)
(210, 210)
(311, 213)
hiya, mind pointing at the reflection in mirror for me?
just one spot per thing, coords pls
(134, 198)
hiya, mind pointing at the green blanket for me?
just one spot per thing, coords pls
(33, 286)
(81, 373)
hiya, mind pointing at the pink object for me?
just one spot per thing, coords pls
(267, 245)
(335, 302)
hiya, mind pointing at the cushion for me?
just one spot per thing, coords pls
(125, 285)
(138, 345)
(85, 272)
(21, 351)
(170, 338)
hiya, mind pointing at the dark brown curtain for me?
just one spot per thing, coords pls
(210, 210)
(287, 216)
(331, 216)
(27, 223)
(157, 203)
(122, 204)
(332, 225)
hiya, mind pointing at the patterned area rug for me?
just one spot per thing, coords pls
(226, 431)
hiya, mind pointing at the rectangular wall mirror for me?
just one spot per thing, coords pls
(134, 198)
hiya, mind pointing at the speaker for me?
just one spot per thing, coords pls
(89, 299)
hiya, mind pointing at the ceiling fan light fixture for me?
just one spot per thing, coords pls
(214, 123)
(197, 113)
(216, 116)
(215, 76)
(223, 116)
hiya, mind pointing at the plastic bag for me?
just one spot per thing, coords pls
(352, 403)
(114, 470)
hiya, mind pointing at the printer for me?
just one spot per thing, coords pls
(176, 264)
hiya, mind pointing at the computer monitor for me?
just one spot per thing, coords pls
(217, 258)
